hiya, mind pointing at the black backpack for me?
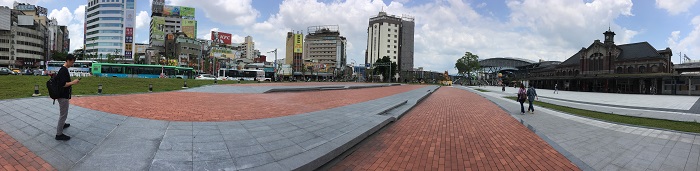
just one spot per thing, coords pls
(54, 88)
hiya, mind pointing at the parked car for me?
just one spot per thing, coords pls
(205, 77)
(28, 72)
(5, 71)
(39, 72)
(16, 72)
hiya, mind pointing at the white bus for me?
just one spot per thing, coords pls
(246, 74)
(80, 68)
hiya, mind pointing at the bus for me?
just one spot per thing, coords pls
(140, 71)
(79, 69)
(246, 74)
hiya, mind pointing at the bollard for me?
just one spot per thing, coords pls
(99, 89)
(36, 91)
(215, 80)
(239, 81)
(185, 85)
(150, 88)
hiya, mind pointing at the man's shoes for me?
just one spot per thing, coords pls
(66, 125)
(62, 137)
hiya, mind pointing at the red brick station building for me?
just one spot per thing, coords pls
(602, 67)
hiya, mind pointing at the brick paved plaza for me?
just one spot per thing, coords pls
(337, 126)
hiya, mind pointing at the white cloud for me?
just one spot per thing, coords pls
(446, 29)
(79, 14)
(75, 34)
(142, 19)
(675, 7)
(228, 12)
(63, 16)
(689, 44)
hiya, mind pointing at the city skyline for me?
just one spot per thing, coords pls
(444, 29)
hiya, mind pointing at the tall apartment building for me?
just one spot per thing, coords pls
(109, 29)
(250, 48)
(175, 20)
(23, 36)
(391, 36)
(324, 47)
(294, 49)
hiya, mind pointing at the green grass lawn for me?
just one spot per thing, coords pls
(648, 122)
(481, 90)
(12, 86)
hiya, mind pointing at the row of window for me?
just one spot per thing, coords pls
(105, 25)
(395, 36)
(4, 49)
(104, 31)
(104, 44)
(4, 58)
(29, 52)
(4, 41)
(105, 12)
(105, 38)
(30, 44)
(95, 5)
(30, 35)
(388, 51)
(389, 46)
(105, 19)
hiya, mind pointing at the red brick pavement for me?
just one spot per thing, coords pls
(190, 106)
(14, 156)
(455, 130)
(297, 84)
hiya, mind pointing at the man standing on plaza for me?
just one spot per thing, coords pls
(63, 81)
(531, 95)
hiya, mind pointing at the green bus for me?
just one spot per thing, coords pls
(140, 71)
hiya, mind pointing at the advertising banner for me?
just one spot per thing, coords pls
(25, 7)
(171, 10)
(189, 27)
(221, 52)
(129, 31)
(187, 12)
(129, 18)
(221, 37)
(157, 26)
(298, 43)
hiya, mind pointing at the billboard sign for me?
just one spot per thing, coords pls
(171, 10)
(129, 18)
(157, 26)
(25, 7)
(187, 12)
(221, 37)
(189, 27)
(298, 43)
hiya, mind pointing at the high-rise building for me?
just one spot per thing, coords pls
(109, 29)
(249, 48)
(23, 36)
(325, 48)
(294, 49)
(172, 20)
(391, 36)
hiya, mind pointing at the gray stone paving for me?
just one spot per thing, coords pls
(103, 141)
(638, 111)
(607, 146)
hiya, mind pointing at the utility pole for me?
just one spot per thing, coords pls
(275, 64)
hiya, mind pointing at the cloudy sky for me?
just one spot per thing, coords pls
(445, 29)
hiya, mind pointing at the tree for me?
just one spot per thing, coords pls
(58, 56)
(79, 54)
(467, 64)
(382, 67)
(110, 58)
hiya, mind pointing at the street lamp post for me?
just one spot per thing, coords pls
(275, 64)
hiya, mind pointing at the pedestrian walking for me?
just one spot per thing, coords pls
(556, 88)
(63, 81)
(522, 96)
(531, 96)
(504, 87)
